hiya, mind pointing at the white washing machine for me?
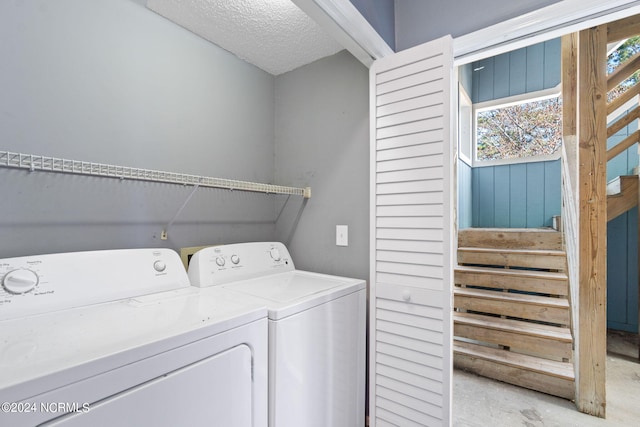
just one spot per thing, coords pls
(120, 338)
(316, 331)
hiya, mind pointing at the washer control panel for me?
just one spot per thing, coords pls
(40, 284)
(218, 265)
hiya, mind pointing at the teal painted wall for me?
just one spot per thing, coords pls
(513, 73)
(525, 194)
(465, 211)
(518, 195)
(622, 247)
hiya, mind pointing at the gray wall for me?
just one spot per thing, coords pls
(418, 21)
(112, 82)
(322, 141)
(381, 15)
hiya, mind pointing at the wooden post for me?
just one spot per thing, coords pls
(569, 84)
(570, 217)
(592, 155)
(570, 113)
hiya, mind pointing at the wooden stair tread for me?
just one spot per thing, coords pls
(622, 195)
(548, 259)
(523, 238)
(563, 370)
(512, 297)
(509, 230)
(515, 326)
(535, 252)
(617, 186)
(515, 273)
(541, 282)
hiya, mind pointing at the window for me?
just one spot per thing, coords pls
(518, 128)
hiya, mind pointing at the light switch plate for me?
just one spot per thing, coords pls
(342, 235)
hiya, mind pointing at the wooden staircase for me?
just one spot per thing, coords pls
(511, 310)
(622, 195)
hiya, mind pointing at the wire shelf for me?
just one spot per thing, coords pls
(52, 164)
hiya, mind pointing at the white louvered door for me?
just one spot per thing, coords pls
(412, 220)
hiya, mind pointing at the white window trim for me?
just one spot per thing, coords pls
(464, 97)
(505, 102)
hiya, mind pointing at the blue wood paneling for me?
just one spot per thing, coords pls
(524, 70)
(535, 194)
(632, 269)
(486, 194)
(622, 246)
(483, 74)
(502, 203)
(552, 192)
(518, 195)
(464, 196)
(535, 67)
(518, 72)
(552, 63)
(501, 76)
(622, 272)
(617, 262)
(475, 200)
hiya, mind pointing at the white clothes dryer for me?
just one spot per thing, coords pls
(316, 331)
(87, 339)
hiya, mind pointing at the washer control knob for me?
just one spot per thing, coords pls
(220, 261)
(235, 259)
(20, 281)
(159, 266)
(275, 254)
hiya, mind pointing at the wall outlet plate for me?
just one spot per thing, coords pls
(342, 235)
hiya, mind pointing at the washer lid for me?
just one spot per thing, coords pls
(294, 291)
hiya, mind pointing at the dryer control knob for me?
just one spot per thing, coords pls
(159, 266)
(235, 259)
(220, 261)
(20, 281)
(275, 254)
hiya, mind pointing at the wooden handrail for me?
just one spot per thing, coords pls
(619, 124)
(622, 99)
(622, 146)
(623, 72)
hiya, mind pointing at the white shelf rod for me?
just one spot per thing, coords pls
(51, 164)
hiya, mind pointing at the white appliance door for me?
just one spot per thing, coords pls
(215, 391)
(412, 224)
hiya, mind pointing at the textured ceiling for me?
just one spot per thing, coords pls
(274, 35)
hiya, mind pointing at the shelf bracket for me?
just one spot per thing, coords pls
(165, 232)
